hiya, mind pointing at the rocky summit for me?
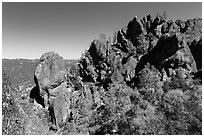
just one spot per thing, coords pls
(147, 81)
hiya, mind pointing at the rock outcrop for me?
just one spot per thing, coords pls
(50, 71)
(50, 79)
(164, 44)
(171, 50)
(150, 53)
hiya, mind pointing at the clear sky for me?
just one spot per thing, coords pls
(31, 29)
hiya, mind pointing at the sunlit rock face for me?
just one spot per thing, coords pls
(50, 79)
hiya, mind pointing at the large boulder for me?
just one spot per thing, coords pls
(50, 71)
(51, 88)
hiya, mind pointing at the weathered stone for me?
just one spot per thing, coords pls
(50, 71)
(50, 85)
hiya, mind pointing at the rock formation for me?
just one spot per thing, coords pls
(50, 82)
(169, 49)
(155, 54)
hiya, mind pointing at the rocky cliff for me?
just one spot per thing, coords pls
(143, 83)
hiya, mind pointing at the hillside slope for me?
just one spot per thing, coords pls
(12, 121)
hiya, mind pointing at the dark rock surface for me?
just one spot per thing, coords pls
(135, 28)
(196, 50)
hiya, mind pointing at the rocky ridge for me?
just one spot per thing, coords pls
(140, 84)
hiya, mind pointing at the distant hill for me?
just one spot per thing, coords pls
(20, 71)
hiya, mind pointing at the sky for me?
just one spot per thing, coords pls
(31, 29)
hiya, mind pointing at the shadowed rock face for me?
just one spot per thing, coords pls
(196, 50)
(35, 94)
(183, 58)
(135, 28)
(99, 50)
(166, 47)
